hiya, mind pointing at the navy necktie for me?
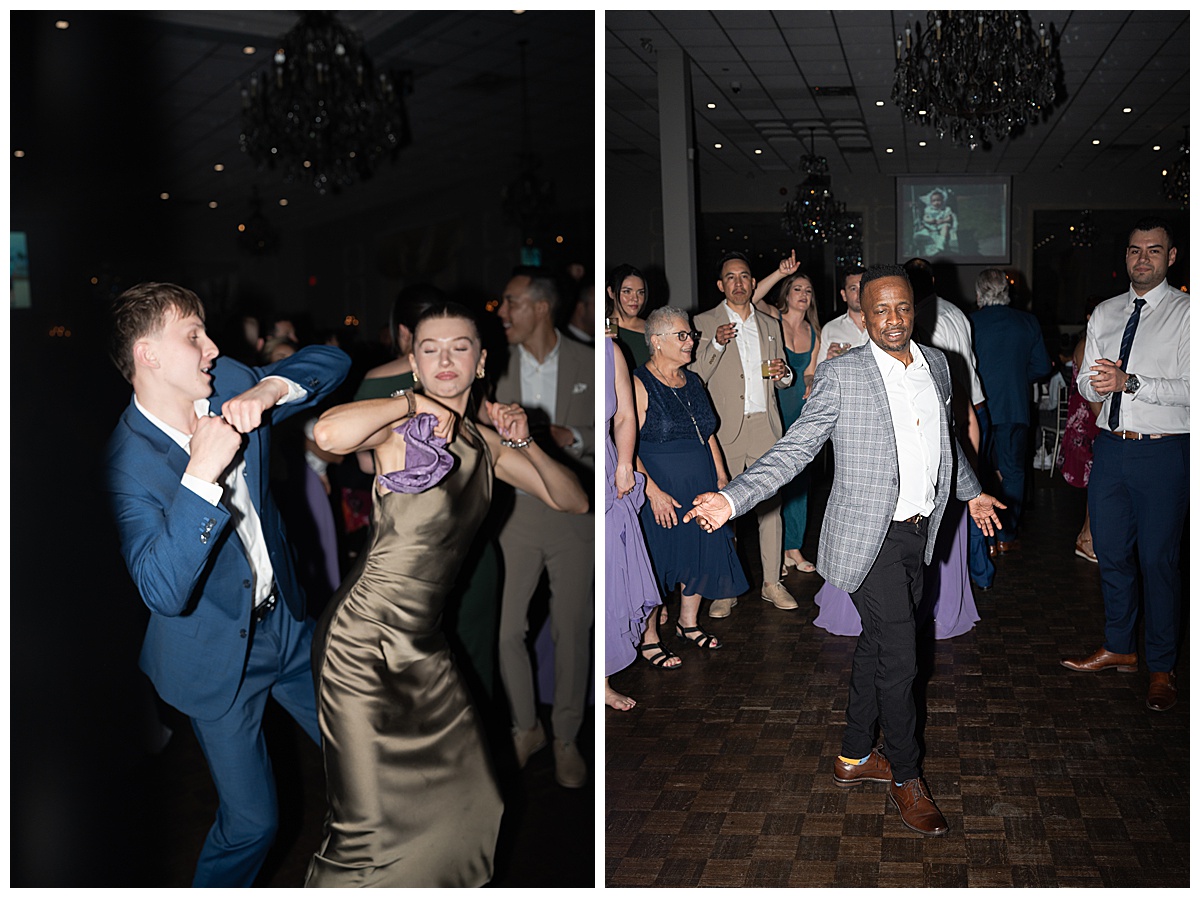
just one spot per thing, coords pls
(1114, 408)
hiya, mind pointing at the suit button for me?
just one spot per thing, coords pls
(242, 634)
(246, 584)
(204, 538)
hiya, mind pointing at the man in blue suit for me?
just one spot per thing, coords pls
(886, 407)
(1012, 355)
(204, 542)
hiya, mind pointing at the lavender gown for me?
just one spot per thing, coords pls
(630, 593)
(948, 593)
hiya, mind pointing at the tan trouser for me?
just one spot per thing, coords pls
(751, 444)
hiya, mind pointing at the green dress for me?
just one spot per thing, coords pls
(472, 607)
(637, 353)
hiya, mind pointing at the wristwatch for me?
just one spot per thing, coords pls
(1131, 384)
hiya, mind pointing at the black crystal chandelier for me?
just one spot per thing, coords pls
(974, 76)
(1083, 234)
(527, 198)
(813, 215)
(321, 113)
(1175, 177)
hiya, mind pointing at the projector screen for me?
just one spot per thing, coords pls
(954, 218)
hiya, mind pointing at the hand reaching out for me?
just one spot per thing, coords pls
(711, 511)
(983, 512)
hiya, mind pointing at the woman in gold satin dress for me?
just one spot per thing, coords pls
(412, 797)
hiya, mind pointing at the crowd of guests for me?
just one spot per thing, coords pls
(725, 411)
(363, 548)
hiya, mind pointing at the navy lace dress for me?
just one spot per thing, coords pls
(674, 448)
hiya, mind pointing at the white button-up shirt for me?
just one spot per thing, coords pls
(755, 394)
(1160, 357)
(236, 492)
(916, 420)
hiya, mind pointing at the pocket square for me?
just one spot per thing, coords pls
(579, 388)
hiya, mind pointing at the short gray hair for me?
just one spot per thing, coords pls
(659, 317)
(991, 288)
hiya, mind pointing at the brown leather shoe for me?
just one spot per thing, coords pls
(1163, 694)
(876, 769)
(1102, 658)
(1005, 548)
(992, 550)
(917, 810)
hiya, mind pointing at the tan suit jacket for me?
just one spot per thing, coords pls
(721, 369)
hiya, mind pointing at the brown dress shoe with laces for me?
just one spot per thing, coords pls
(917, 810)
(876, 769)
(1102, 658)
(1163, 694)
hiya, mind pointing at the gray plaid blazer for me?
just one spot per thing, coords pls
(849, 405)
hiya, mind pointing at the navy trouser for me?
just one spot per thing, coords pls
(1138, 500)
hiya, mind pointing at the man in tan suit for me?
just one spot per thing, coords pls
(736, 341)
(552, 377)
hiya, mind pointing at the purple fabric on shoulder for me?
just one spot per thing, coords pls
(426, 460)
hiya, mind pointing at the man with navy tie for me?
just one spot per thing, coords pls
(1137, 362)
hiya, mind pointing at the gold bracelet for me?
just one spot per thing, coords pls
(412, 401)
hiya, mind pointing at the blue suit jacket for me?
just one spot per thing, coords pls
(184, 554)
(1010, 354)
(849, 405)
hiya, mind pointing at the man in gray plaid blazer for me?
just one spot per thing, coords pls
(886, 406)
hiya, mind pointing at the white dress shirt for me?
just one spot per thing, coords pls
(942, 325)
(1160, 357)
(840, 330)
(748, 348)
(916, 420)
(235, 490)
(539, 385)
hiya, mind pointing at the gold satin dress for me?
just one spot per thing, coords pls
(412, 797)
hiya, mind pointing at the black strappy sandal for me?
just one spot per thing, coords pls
(659, 658)
(704, 640)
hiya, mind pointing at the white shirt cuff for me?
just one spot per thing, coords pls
(294, 390)
(209, 492)
(728, 499)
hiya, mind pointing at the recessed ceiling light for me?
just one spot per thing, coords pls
(249, 51)
(1095, 143)
(62, 24)
(1157, 148)
(879, 102)
(921, 112)
(712, 105)
(1127, 109)
(1164, 172)
(890, 150)
(758, 152)
(20, 154)
(212, 204)
(518, 12)
(716, 146)
(283, 202)
(164, 196)
(921, 144)
(218, 167)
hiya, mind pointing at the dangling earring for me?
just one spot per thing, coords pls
(479, 372)
(416, 380)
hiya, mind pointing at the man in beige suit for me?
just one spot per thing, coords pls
(552, 377)
(736, 342)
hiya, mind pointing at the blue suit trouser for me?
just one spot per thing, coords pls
(1138, 497)
(885, 658)
(1008, 451)
(279, 665)
(980, 567)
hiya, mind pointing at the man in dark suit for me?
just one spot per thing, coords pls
(1012, 355)
(886, 406)
(552, 377)
(204, 543)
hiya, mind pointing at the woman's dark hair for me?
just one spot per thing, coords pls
(407, 308)
(617, 276)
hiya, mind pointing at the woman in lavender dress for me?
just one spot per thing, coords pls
(631, 597)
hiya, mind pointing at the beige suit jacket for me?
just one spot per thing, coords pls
(721, 369)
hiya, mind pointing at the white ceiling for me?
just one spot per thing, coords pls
(784, 61)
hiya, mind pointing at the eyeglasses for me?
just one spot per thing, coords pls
(683, 336)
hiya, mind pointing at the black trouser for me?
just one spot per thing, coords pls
(885, 660)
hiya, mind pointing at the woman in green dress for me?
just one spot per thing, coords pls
(627, 293)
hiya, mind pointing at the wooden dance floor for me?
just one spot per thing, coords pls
(721, 776)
